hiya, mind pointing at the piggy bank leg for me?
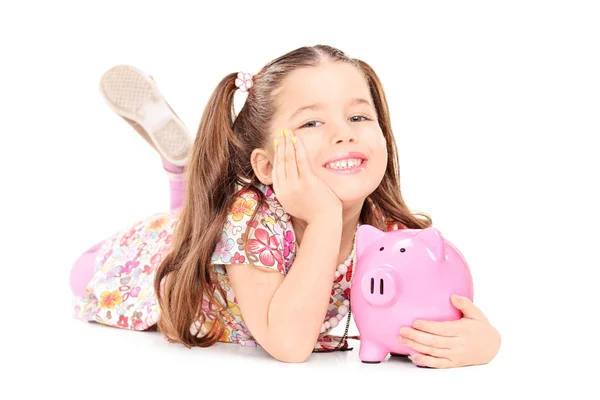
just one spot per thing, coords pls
(371, 353)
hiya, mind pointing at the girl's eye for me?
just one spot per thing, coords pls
(358, 116)
(353, 119)
(306, 125)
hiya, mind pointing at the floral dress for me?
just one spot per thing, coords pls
(121, 292)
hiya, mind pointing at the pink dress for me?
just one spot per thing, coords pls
(121, 292)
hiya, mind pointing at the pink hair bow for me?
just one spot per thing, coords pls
(244, 81)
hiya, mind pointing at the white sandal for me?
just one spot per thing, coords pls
(135, 97)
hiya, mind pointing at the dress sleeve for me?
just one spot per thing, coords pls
(267, 241)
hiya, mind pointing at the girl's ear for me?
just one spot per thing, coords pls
(262, 166)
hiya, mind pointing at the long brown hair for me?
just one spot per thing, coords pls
(220, 165)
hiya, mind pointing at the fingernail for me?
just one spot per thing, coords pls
(287, 132)
(401, 339)
(294, 139)
(416, 324)
(403, 331)
(281, 132)
(276, 142)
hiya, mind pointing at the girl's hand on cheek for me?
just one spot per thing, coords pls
(297, 188)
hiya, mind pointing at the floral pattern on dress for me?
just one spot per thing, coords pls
(121, 292)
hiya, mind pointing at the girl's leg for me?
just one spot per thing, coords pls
(135, 97)
(177, 184)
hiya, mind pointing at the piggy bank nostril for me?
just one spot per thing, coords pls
(381, 249)
(380, 287)
(402, 250)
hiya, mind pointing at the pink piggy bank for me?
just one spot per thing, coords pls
(401, 276)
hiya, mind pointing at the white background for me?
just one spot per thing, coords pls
(496, 111)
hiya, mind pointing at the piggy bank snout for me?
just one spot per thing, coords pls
(379, 286)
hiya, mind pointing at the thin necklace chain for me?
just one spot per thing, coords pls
(345, 337)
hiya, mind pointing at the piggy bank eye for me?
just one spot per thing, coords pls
(381, 249)
(402, 250)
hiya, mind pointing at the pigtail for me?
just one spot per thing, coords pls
(186, 283)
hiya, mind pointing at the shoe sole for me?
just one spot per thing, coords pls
(134, 96)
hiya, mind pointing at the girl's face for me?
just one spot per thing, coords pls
(330, 109)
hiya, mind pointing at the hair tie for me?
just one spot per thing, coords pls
(244, 81)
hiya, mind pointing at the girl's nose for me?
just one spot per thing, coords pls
(343, 134)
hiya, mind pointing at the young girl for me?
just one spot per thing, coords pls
(258, 248)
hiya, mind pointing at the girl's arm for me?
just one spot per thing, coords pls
(285, 315)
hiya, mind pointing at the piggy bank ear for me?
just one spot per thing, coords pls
(434, 243)
(365, 236)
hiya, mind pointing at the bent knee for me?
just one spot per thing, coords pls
(83, 270)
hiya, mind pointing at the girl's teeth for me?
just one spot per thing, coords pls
(344, 164)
